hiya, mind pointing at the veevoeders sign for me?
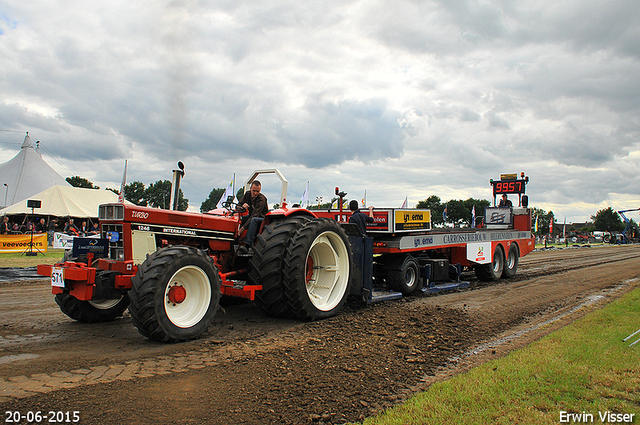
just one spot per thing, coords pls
(20, 243)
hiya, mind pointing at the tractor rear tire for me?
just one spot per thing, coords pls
(175, 294)
(492, 271)
(93, 311)
(317, 270)
(404, 275)
(511, 262)
(265, 267)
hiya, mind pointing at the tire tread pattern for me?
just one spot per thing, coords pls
(83, 311)
(266, 265)
(146, 284)
(295, 269)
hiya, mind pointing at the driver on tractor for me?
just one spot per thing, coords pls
(256, 203)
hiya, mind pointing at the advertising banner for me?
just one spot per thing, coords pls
(64, 241)
(21, 243)
(479, 252)
(412, 220)
(500, 216)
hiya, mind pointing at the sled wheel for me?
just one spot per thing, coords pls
(511, 263)
(493, 270)
(317, 267)
(175, 294)
(404, 276)
(265, 267)
(93, 311)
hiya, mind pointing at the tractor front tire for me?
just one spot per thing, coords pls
(93, 311)
(265, 267)
(317, 270)
(175, 294)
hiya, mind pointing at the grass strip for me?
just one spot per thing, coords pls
(16, 259)
(584, 369)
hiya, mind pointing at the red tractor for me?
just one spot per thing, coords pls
(170, 268)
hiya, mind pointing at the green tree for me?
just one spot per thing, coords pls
(479, 204)
(437, 208)
(608, 220)
(77, 181)
(116, 191)
(135, 192)
(211, 202)
(158, 195)
(544, 218)
(459, 211)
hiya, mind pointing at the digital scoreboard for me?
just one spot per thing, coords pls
(509, 184)
(508, 187)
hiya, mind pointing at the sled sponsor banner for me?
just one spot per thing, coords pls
(21, 243)
(412, 220)
(497, 215)
(479, 252)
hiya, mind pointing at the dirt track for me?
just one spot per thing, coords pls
(252, 369)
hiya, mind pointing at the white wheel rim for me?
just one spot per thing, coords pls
(409, 277)
(198, 297)
(497, 261)
(511, 261)
(105, 304)
(327, 271)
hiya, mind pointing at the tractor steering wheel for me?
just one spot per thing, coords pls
(233, 206)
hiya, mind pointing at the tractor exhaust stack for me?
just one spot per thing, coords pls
(175, 186)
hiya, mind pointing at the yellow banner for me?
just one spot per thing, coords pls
(21, 243)
(413, 220)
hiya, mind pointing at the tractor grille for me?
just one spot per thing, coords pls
(113, 232)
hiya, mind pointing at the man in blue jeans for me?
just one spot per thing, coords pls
(256, 203)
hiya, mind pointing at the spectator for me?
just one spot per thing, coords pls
(71, 229)
(52, 229)
(95, 229)
(41, 227)
(83, 229)
(6, 227)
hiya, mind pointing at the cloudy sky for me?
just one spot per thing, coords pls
(401, 98)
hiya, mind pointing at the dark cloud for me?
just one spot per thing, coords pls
(412, 89)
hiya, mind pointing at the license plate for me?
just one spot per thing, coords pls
(57, 277)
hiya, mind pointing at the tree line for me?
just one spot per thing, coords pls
(156, 195)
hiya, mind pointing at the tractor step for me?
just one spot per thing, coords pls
(382, 295)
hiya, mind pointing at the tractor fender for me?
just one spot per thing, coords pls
(281, 213)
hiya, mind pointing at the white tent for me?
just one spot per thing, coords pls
(26, 174)
(65, 201)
